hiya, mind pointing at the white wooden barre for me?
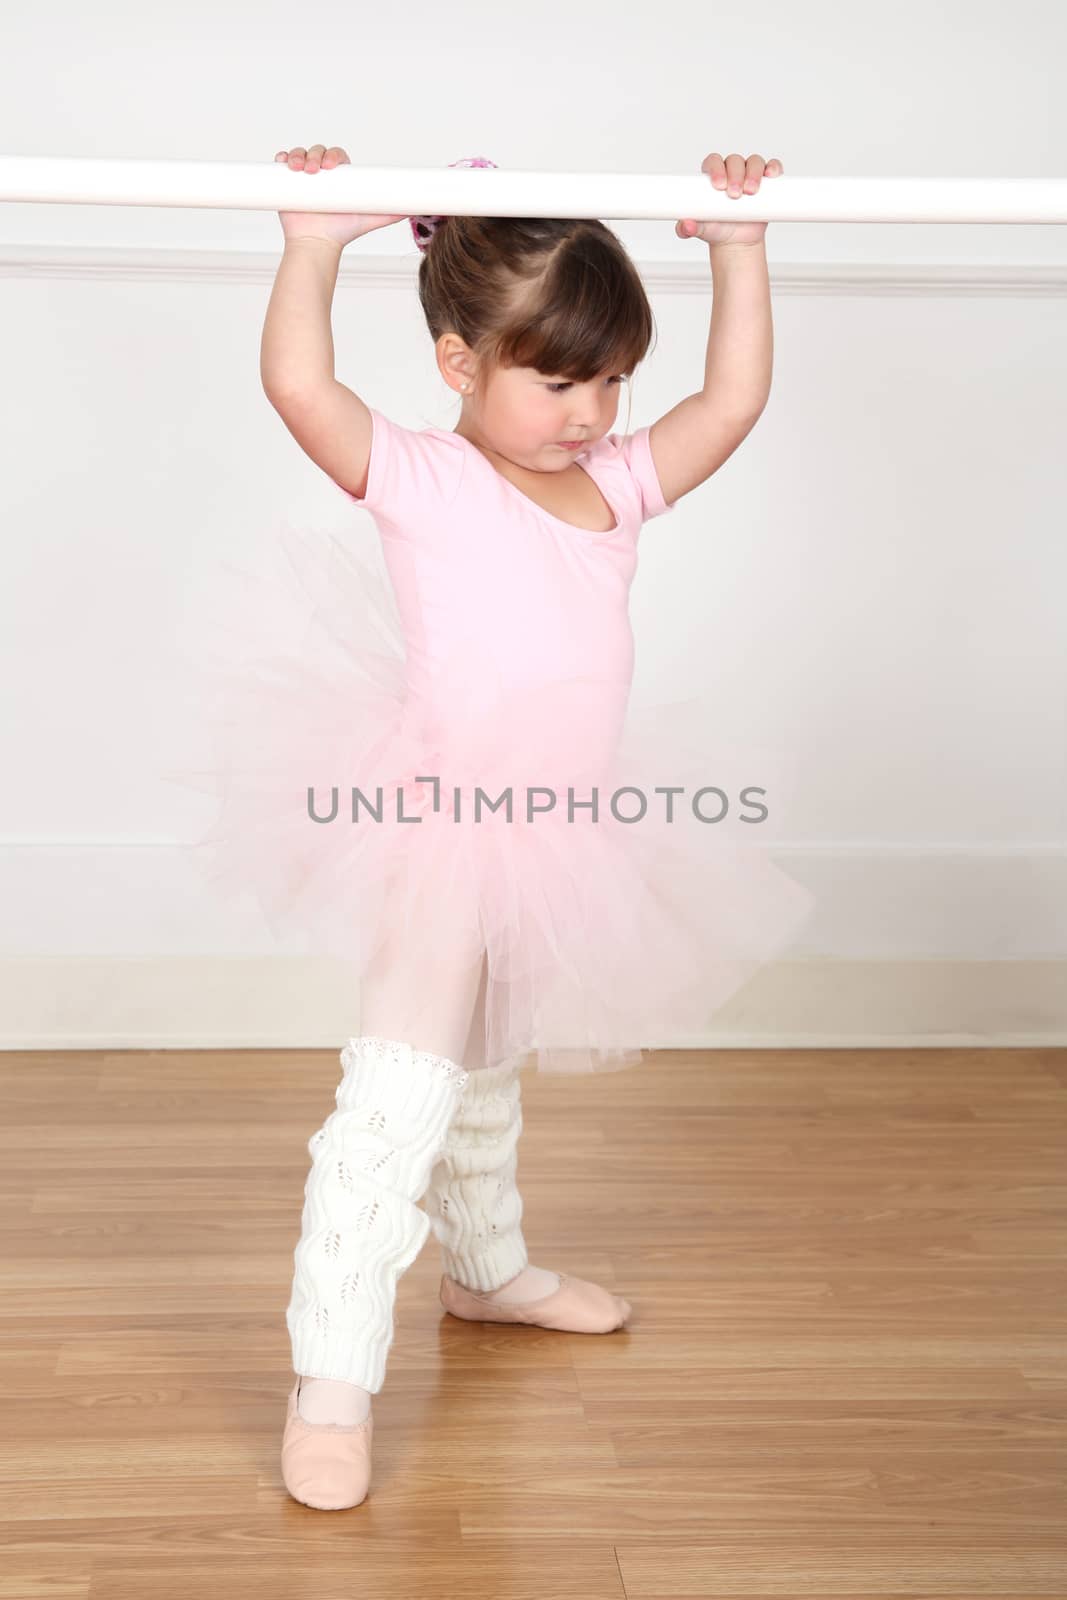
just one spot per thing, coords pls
(510, 192)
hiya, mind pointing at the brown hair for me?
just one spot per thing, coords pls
(560, 295)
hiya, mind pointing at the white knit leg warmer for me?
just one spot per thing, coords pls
(473, 1202)
(361, 1226)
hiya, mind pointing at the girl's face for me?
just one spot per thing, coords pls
(526, 415)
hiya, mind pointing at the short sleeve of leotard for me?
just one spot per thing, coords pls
(409, 472)
(631, 455)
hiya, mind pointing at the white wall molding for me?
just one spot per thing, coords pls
(379, 271)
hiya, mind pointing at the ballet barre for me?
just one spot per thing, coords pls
(500, 192)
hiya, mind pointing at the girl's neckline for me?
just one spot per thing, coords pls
(560, 522)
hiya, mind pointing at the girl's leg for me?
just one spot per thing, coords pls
(473, 1056)
(473, 1199)
(417, 997)
(425, 995)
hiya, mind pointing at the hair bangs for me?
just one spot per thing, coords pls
(558, 295)
(589, 315)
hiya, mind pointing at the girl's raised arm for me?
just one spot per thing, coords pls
(296, 360)
(329, 422)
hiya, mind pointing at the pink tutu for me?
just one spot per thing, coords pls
(602, 936)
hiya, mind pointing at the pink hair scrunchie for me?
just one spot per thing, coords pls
(423, 228)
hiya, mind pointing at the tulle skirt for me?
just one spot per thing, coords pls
(370, 815)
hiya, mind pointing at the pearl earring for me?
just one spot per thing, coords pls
(463, 385)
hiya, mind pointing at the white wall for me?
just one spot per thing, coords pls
(875, 580)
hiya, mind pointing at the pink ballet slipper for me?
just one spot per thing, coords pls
(326, 1465)
(577, 1306)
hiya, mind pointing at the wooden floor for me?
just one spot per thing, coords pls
(845, 1375)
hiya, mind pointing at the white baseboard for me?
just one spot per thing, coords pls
(300, 1002)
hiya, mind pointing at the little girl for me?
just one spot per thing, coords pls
(516, 884)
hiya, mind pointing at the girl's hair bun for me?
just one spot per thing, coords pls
(423, 228)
